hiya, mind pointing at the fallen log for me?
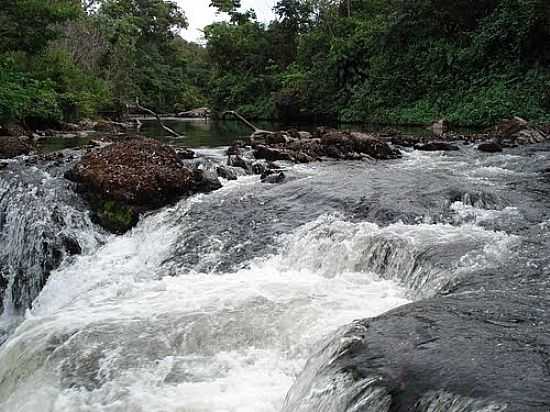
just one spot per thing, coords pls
(159, 120)
(256, 132)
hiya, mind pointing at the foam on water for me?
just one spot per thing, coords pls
(110, 332)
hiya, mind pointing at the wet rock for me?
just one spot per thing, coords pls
(71, 246)
(226, 173)
(185, 154)
(272, 177)
(205, 181)
(271, 153)
(259, 168)
(406, 141)
(234, 150)
(458, 353)
(328, 143)
(490, 147)
(124, 179)
(436, 146)
(13, 146)
(277, 138)
(238, 161)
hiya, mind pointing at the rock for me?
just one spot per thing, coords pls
(329, 143)
(185, 154)
(258, 168)
(205, 181)
(71, 246)
(226, 173)
(3, 165)
(304, 135)
(234, 150)
(272, 177)
(374, 147)
(508, 127)
(490, 147)
(271, 153)
(518, 131)
(406, 141)
(13, 129)
(436, 146)
(238, 161)
(459, 353)
(277, 138)
(124, 179)
(13, 146)
(440, 128)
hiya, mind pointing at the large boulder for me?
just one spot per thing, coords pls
(13, 146)
(124, 179)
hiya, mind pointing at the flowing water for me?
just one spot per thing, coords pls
(217, 302)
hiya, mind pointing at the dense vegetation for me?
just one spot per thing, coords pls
(390, 61)
(63, 59)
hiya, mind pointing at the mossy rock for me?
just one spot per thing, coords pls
(114, 216)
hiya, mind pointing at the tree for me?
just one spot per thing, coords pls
(28, 25)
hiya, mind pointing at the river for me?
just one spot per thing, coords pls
(217, 303)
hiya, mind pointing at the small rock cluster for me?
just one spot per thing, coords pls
(304, 147)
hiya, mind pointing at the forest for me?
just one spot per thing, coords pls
(472, 62)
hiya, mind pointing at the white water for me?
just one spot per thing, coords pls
(109, 333)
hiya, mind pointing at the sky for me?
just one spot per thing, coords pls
(199, 14)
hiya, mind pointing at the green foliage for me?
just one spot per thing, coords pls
(23, 97)
(393, 61)
(64, 62)
(28, 25)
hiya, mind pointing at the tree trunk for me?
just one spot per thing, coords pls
(159, 120)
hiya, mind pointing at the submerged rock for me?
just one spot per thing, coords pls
(122, 180)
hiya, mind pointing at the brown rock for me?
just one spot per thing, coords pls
(13, 146)
(126, 178)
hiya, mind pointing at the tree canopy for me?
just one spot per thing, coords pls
(390, 61)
